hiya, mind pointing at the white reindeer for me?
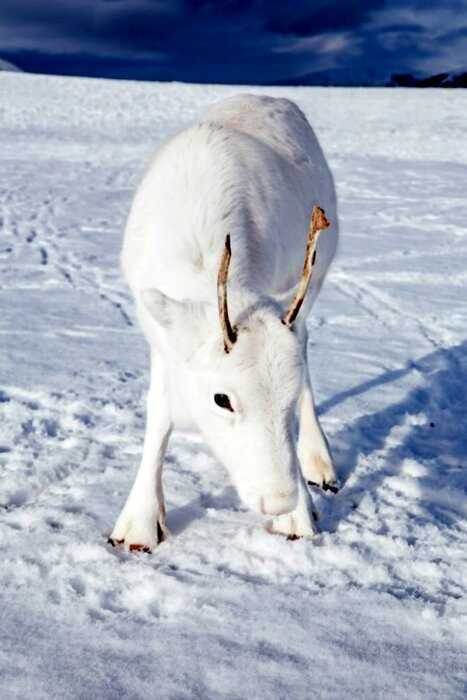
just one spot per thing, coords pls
(237, 372)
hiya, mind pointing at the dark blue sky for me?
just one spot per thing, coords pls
(235, 41)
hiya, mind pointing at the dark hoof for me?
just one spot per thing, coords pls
(333, 486)
(132, 547)
(292, 538)
(140, 548)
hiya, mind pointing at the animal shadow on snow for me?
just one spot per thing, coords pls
(438, 440)
(181, 517)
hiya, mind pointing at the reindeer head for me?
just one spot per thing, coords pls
(241, 387)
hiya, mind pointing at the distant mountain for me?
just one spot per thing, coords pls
(6, 65)
(373, 78)
(358, 77)
(444, 80)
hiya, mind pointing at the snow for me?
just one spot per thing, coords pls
(375, 606)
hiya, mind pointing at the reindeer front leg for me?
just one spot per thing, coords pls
(313, 450)
(316, 469)
(141, 524)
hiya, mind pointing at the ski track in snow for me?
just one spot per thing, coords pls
(375, 606)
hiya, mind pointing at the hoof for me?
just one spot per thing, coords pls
(319, 471)
(135, 536)
(332, 486)
(293, 528)
(132, 547)
(140, 548)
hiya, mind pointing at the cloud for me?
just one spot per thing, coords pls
(304, 18)
(260, 41)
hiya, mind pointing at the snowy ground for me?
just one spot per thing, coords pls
(375, 607)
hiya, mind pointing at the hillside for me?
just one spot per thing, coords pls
(7, 66)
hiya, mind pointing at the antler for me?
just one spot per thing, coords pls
(318, 223)
(229, 333)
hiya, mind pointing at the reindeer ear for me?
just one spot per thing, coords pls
(185, 322)
(162, 308)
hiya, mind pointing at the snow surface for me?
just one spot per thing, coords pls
(375, 606)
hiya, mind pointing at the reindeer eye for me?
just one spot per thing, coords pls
(223, 401)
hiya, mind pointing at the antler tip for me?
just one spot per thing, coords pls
(319, 219)
(318, 222)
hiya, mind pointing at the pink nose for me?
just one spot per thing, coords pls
(278, 503)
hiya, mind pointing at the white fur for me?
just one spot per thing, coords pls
(252, 168)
